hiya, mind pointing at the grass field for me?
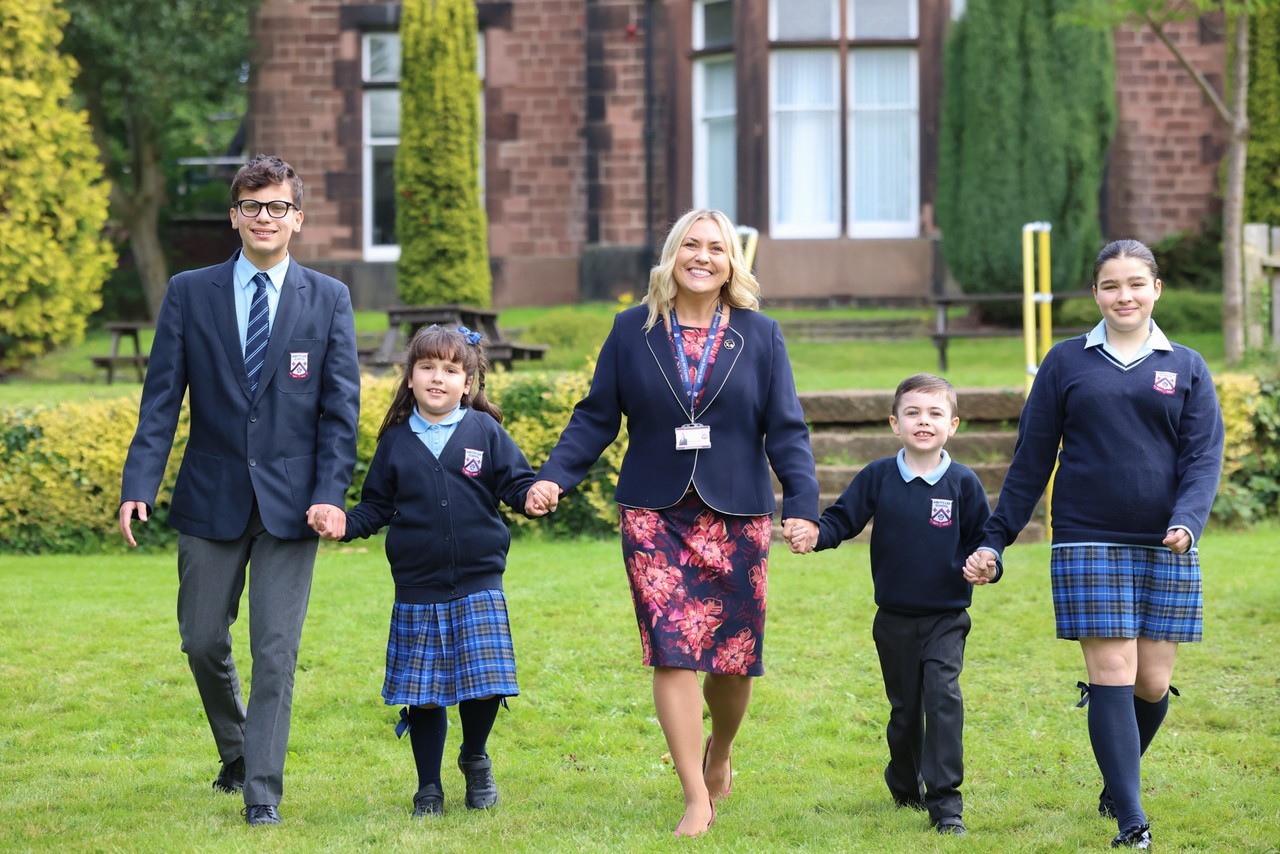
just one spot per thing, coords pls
(104, 747)
(818, 366)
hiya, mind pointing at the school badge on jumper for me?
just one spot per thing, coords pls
(298, 366)
(940, 515)
(1166, 381)
(471, 463)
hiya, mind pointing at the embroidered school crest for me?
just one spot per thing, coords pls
(1166, 381)
(298, 366)
(940, 515)
(471, 463)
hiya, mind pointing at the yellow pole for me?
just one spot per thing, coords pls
(1046, 296)
(1028, 302)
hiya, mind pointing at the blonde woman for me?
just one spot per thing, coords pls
(706, 387)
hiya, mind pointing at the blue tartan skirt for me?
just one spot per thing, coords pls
(1112, 591)
(449, 652)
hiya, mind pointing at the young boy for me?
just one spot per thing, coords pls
(929, 514)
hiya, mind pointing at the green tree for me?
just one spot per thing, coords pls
(153, 75)
(440, 223)
(1027, 116)
(1262, 169)
(53, 200)
(1156, 15)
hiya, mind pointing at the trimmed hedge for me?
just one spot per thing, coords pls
(60, 465)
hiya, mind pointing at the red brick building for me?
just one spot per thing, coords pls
(815, 121)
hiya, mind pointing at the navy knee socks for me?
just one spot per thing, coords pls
(427, 729)
(1150, 716)
(477, 718)
(1113, 733)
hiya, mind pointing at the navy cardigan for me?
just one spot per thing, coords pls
(749, 403)
(447, 539)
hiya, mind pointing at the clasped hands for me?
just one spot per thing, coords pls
(543, 498)
(327, 520)
(801, 535)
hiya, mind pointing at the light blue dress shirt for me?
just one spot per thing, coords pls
(1097, 337)
(244, 273)
(435, 436)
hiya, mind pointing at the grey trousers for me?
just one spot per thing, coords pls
(211, 577)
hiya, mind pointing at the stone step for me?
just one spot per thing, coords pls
(858, 407)
(848, 447)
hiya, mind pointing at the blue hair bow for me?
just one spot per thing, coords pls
(472, 337)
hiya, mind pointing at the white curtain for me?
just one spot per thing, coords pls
(883, 142)
(804, 19)
(716, 138)
(882, 19)
(805, 159)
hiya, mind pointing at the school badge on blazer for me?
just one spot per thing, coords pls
(471, 463)
(940, 513)
(1166, 382)
(298, 368)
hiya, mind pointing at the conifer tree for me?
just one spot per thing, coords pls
(1262, 167)
(53, 199)
(440, 224)
(1028, 113)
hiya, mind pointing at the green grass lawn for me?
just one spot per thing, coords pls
(818, 366)
(104, 747)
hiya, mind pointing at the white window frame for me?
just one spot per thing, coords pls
(701, 137)
(372, 251)
(884, 228)
(777, 229)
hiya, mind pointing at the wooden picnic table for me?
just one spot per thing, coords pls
(123, 330)
(404, 321)
(942, 333)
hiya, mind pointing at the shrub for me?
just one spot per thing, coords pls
(53, 257)
(1250, 487)
(1262, 163)
(1192, 260)
(1027, 115)
(440, 224)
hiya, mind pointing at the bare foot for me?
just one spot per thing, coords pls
(697, 820)
(717, 775)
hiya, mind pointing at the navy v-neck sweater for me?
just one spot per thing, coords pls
(1141, 448)
(447, 538)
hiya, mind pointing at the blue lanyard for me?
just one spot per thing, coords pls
(696, 388)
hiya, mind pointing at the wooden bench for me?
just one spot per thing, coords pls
(138, 358)
(942, 335)
(403, 322)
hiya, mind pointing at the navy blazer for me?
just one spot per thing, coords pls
(289, 445)
(749, 403)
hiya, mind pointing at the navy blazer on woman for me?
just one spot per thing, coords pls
(749, 403)
(289, 445)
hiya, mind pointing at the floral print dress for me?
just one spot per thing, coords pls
(698, 577)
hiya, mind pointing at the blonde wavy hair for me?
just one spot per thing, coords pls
(740, 290)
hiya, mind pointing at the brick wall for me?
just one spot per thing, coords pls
(299, 111)
(1163, 174)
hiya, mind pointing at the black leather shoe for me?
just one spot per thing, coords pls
(1106, 806)
(428, 801)
(482, 791)
(259, 814)
(231, 778)
(1138, 836)
(950, 826)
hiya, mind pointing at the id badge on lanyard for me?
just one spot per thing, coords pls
(693, 436)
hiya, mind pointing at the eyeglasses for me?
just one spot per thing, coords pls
(252, 207)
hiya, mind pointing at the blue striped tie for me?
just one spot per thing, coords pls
(257, 333)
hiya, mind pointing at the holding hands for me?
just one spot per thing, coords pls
(980, 567)
(1178, 540)
(543, 498)
(800, 534)
(328, 521)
